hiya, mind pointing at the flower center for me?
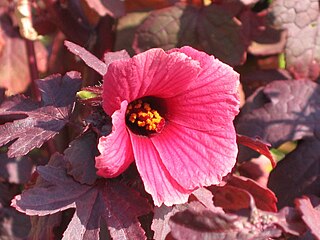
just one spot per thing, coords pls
(143, 119)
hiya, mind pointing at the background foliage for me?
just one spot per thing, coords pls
(48, 183)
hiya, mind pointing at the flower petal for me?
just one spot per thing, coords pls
(156, 178)
(195, 158)
(212, 99)
(152, 73)
(116, 151)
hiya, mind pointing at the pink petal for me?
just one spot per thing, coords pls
(116, 151)
(195, 158)
(152, 73)
(211, 100)
(156, 178)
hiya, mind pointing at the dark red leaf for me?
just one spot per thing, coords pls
(81, 156)
(114, 8)
(310, 215)
(256, 145)
(236, 194)
(264, 198)
(15, 170)
(287, 111)
(43, 227)
(113, 56)
(301, 19)
(231, 198)
(197, 222)
(257, 169)
(42, 120)
(15, 77)
(116, 203)
(205, 196)
(91, 60)
(259, 78)
(69, 18)
(297, 174)
(126, 28)
(290, 221)
(14, 225)
(269, 42)
(122, 207)
(201, 28)
(160, 223)
(148, 5)
(280, 112)
(2, 90)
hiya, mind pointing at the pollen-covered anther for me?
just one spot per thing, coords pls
(142, 115)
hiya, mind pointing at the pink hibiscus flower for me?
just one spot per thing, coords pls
(172, 112)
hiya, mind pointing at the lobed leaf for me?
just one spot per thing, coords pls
(280, 112)
(287, 111)
(310, 214)
(237, 192)
(197, 222)
(201, 28)
(301, 19)
(41, 121)
(112, 201)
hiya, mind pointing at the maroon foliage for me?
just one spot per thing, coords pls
(113, 56)
(87, 57)
(14, 68)
(69, 19)
(92, 61)
(297, 174)
(259, 78)
(65, 198)
(269, 42)
(301, 19)
(80, 155)
(197, 222)
(205, 196)
(41, 120)
(236, 194)
(285, 111)
(14, 225)
(15, 170)
(278, 112)
(114, 8)
(310, 214)
(43, 227)
(2, 90)
(112, 201)
(256, 145)
(161, 219)
(181, 25)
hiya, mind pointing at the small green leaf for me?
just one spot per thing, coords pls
(86, 95)
(282, 61)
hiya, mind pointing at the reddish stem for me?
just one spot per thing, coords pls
(34, 73)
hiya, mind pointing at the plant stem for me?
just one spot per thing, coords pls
(34, 73)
